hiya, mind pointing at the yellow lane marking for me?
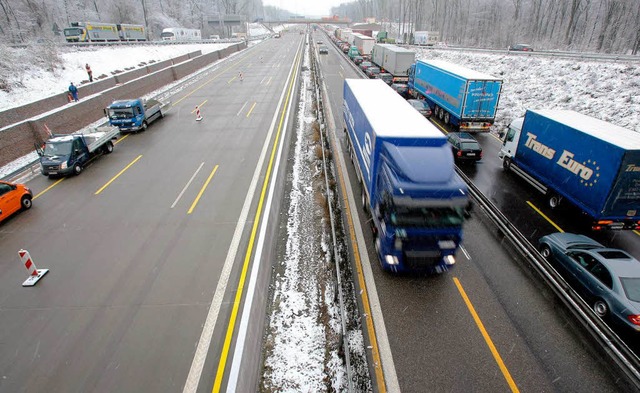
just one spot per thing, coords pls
(48, 188)
(251, 110)
(199, 106)
(118, 175)
(375, 353)
(204, 187)
(636, 232)
(245, 267)
(487, 338)
(545, 217)
(121, 139)
(232, 79)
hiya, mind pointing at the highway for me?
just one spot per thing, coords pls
(146, 248)
(150, 251)
(490, 324)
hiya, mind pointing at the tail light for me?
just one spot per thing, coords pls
(605, 222)
(480, 153)
(459, 153)
(635, 319)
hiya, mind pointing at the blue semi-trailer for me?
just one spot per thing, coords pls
(464, 98)
(409, 186)
(592, 164)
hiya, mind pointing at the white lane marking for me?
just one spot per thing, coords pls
(263, 79)
(234, 374)
(245, 104)
(195, 372)
(466, 254)
(386, 357)
(186, 186)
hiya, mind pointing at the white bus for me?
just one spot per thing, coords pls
(180, 34)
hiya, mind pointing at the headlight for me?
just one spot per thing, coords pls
(63, 165)
(391, 259)
(449, 260)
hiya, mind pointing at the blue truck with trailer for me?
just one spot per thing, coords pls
(464, 98)
(409, 187)
(593, 164)
(134, 115)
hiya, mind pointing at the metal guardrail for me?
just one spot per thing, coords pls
(618, 351)
(343, 314)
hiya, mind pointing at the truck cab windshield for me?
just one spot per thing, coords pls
(124, 113)
(430, 217)
(57, 148)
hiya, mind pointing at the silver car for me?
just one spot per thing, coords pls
(607, 278)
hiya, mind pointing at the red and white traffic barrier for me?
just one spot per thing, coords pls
(35, 274)
(198, 117)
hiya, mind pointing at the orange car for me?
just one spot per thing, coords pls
(13, 197)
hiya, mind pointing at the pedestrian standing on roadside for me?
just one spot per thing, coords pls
(89, 72)
(74, 92)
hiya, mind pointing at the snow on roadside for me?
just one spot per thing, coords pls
(607, 91)
(302, 339)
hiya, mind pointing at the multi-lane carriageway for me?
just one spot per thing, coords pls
(150, 247)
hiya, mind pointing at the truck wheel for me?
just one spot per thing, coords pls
(108, 148)
(446, 118)
(144, 126)
(364, 199)
(25, 202)
(554, 200)
(77, 169)
(506, 164)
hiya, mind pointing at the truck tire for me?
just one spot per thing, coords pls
(446, 118)
(25, 202)
(77, 169)
(506, 164)
(144, 126)
(554, 200)
(364, 199)
(108, 148)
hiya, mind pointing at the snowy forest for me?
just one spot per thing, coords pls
(609, 26)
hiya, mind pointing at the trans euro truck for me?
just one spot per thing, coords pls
(68, 154)
(393, 59)
(592, 164)
(464, 98)
(134, 115)
(409, 187)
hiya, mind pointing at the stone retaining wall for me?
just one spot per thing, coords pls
(19, 139)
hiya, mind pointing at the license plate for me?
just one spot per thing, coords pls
(53, 173)
(471, 154)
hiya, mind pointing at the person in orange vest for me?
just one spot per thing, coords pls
(89, 72)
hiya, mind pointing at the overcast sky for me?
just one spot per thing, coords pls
(306, 7)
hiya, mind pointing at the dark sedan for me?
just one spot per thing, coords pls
(521, 48)
(401, 89)
(358, 59)
(421, 107)
(372, 72)
(608, 279)
(386, 77)
(464, 146)
(365, 64)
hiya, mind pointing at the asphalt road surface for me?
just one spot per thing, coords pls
(146, 247)
(489, 324)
